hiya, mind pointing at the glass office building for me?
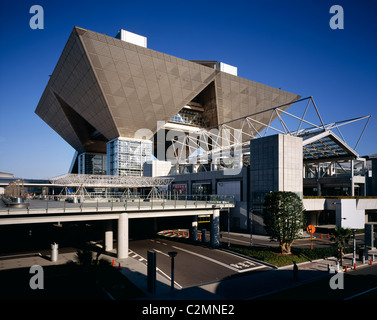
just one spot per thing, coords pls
(103, 90)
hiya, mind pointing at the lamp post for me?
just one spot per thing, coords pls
(151, 271)
(354, 247)
(172, 254)
(251, 227)
(228, 227)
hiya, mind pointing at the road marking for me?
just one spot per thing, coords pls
(175, 282)
(243, 264)
(361, 293)
(209, 259)
(247, 263)
(158, 251)
(157, 269)
(135, 255)
(238, 267)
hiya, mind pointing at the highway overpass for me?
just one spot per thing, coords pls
(44, 211)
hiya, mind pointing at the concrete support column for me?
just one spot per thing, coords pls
(352, 179)
(319, 191)
(194, 228)
(369, 236)
(123, 236)
(108, 228)
(365, 177)
(215, 228)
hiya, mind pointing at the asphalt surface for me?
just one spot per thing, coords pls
(360, 284)
(194, 264)
(208, 274)
(205, 273)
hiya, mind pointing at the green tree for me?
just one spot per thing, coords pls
(283, 218)
(341, 237)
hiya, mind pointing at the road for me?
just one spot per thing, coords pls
(194, 264)
(197, 264)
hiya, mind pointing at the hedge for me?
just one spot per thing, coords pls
(272, 255)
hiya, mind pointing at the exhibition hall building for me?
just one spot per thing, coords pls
(128, 110)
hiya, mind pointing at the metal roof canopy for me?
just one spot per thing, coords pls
(319, 141)
(325, 145)
(108, 181)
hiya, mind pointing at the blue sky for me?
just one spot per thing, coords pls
(286, 44)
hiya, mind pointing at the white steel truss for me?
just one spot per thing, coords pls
(232, 138)
(108, 181)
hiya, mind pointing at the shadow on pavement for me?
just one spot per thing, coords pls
(258, 284)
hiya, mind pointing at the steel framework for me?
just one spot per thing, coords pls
(232, 139)
(107, 181)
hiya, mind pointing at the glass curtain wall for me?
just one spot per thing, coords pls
(89, 163)
(126, 157)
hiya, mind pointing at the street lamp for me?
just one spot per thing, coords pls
(354, 247)
(228, 228)
(172, 254)
(251, 227)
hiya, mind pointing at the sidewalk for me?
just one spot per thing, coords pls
(15, 261)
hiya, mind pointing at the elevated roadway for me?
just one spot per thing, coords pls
(45, 211)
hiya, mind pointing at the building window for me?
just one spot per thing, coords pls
(189, 117)
(89, 163)
(126, 157)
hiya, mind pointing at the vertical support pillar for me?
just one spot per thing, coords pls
(194, 228)
(319, 191)
(123, 236)
(354, 247)
(251, 226)
(369, 236)
(151, 271)
(352, 179)
(365, 174)
(108, 228)
(215, 228)
(204, 235)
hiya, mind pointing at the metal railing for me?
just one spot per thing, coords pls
(74, 204)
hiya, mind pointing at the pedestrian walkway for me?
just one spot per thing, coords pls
(26, 260)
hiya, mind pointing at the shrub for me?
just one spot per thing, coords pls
(272, 255)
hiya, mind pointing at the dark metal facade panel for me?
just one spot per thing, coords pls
(117, 88)
(142, 87)
(74, 85)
